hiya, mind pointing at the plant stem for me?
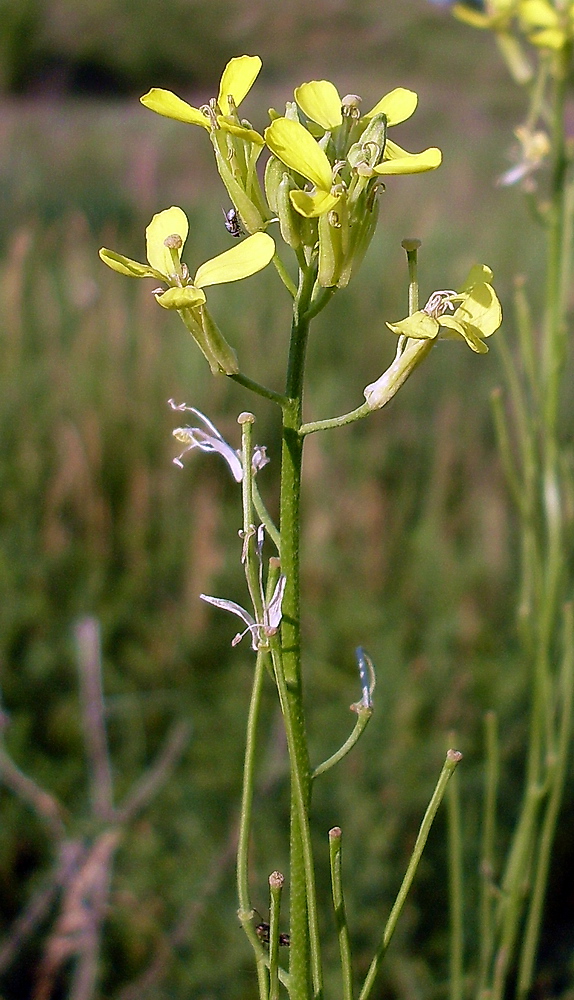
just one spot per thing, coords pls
(455, 890)
(340, 914)
(288, 663)
(452, 759)
(557, 768)
(245, 910)
(487, 850)
(276, 881)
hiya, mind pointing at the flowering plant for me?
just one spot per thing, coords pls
(319, 195)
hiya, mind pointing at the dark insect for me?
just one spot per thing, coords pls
(262, 931)
(232, 223)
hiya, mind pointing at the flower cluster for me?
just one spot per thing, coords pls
(546, 24)
(326, 167)
(322, 179)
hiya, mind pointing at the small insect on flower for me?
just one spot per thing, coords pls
(232, 223)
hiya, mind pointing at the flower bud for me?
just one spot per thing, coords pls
(371, 146)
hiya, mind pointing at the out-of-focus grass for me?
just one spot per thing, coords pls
(407, 530)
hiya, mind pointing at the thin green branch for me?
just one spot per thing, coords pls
(487, 888)
(455, 890)
(347, 418)
(284, 275)
(452, 759)
(265, 517)
(261, 390)
(276, 881)
(557, 768)
(245, 909)
(364, 714)
(335, 837)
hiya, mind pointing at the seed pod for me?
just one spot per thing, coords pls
(331, 246)
(360, 236)
(289, 219)
(273, 174)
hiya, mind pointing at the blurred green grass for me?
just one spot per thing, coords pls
(409, 537)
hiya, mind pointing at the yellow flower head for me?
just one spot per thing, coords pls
(165, 239)
(359, 147)
(477, 314)
(236, 81)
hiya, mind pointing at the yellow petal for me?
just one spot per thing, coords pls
(170, 106)
(248, 257)
(398, 161)
(247, 134)
(398, 105)
(181, 298)
(237, 80)
(466, 331)
(171, 222)
(473, 17)
(313, 205)
(538, 14)
(481, 309)
(320, 101)
(296, 148)
(479, 272)
(549, 38)
(418, 326)
(124, 265)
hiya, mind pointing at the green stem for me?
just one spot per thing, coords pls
(455, 891)
(265, 517)
(452, 759)
(557, 768)
(284, 275)
(364, 714)
(244, 899)
(287, 662)
(301, 850)
(487, 850)
(335, 836)
(261, 390)
(276, 881)
(347, 418)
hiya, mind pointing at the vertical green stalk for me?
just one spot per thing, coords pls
(452, 759)
(455, 890)
(292, 453)
(335, 837)
(487, 850)
(243, 894)
(276, 881)
(557, 772)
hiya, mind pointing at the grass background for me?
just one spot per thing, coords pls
(409, 544)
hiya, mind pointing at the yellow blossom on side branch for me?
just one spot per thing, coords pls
(165, 238)
(476, 314)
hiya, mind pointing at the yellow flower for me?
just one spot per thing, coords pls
(165, 239)
(370, 156)
(236, 81)
(478, 315)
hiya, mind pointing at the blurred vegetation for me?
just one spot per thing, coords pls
(408, 534)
